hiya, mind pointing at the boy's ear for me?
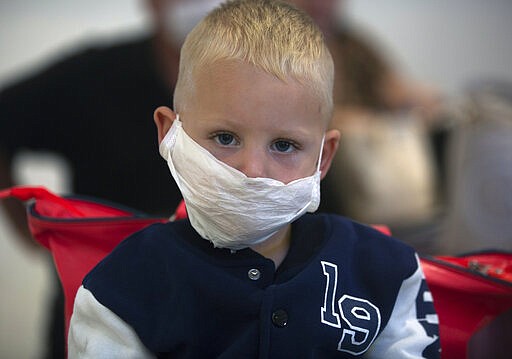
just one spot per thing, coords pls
(331, 140)
(163, 117)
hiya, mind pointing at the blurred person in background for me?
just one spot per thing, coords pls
(389, 164)
(95, 108)
(479, 175)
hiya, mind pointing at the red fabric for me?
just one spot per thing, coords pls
(493, 264)
(79, 233)
(181, 211)
(465, 301)
(382, 228)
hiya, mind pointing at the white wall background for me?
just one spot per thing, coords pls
(446, 43)
(33, 32)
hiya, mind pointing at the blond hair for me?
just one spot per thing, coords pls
(270, 35)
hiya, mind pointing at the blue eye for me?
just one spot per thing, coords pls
(283, 146)
(225, 139)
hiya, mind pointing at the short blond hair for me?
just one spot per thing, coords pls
(270, 35)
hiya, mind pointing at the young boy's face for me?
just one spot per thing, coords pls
(255, 122)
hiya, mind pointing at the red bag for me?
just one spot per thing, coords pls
(77, 232)
(469, 291)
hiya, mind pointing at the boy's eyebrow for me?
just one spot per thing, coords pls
(296, 131)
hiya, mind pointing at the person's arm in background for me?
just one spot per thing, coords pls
(14, 209)
(30, 110)
(399, 92)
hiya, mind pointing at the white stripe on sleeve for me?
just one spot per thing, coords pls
(96, 332)
(403, 336)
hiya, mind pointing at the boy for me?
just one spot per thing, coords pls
(249, 275)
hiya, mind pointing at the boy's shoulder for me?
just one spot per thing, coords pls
(362, 246)
(353, 234)
(148, 248)
(156, 237)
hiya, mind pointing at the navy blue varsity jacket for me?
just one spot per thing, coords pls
(343, 291)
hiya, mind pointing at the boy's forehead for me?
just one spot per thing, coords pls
(222, 69)
(236, 89)
(240, 95)
(237, 74)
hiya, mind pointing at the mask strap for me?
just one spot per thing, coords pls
(320, 155)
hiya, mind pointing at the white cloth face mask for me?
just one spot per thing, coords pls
(181, 17)
(224, 205)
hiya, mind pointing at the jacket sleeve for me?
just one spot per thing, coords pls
(413, 329)
(96, 332)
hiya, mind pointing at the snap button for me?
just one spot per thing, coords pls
(280, 318)
(254, 274)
